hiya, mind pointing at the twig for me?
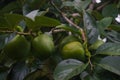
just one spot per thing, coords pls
(21, 33)
(58, 30)
(90, 64)
(68, 20)
(91, 6)
(103, 5)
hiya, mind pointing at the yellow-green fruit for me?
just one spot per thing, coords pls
(43, 46)
(97, 44)
(73, 50)
(66, 40)
(18, 48)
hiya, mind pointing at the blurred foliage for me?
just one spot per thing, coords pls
(86, 20)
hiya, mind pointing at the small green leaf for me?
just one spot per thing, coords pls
(68, 68)
(113, 36)
(68, 3)
(46, 21)
(110, 10)
(111, 63)
(114, 27)
(106, 21)
(103, 24)
(90, 27)
(80, 4)
(30, 23)
(109, 49)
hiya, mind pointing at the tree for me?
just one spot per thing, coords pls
(59, 40)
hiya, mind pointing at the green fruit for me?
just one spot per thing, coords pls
(19, 28)
(18, 48)
(97, 44)
(43, 46)
(73, 50)
(68, 39)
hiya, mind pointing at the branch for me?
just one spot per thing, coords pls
(103, 5)
(91, 6)
(92, 66)
(58, 30)
(21, 33)
(68, 20)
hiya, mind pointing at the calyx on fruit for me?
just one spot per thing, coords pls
(73, 50)
(96, 44)
(18, 48)
(43, 46)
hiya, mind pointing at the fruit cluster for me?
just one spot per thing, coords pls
(19, 47)
(42, 46)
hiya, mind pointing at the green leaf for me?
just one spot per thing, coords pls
(3, 23)
(36, 4)
(30, 23)
(81, 5)
(103, 24)
(19, 71)
(106, 21)
(11, 7)
(113, 36)
(90, 27)
(31, 5)
(67, 28)
(68, 68)
(46, 21)
(97, 15)
(88, 76)
(114, 27)
(109, 49)
(13, 19)
(41, 21)
(68, 3)
(111, 63)
(110, 10)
